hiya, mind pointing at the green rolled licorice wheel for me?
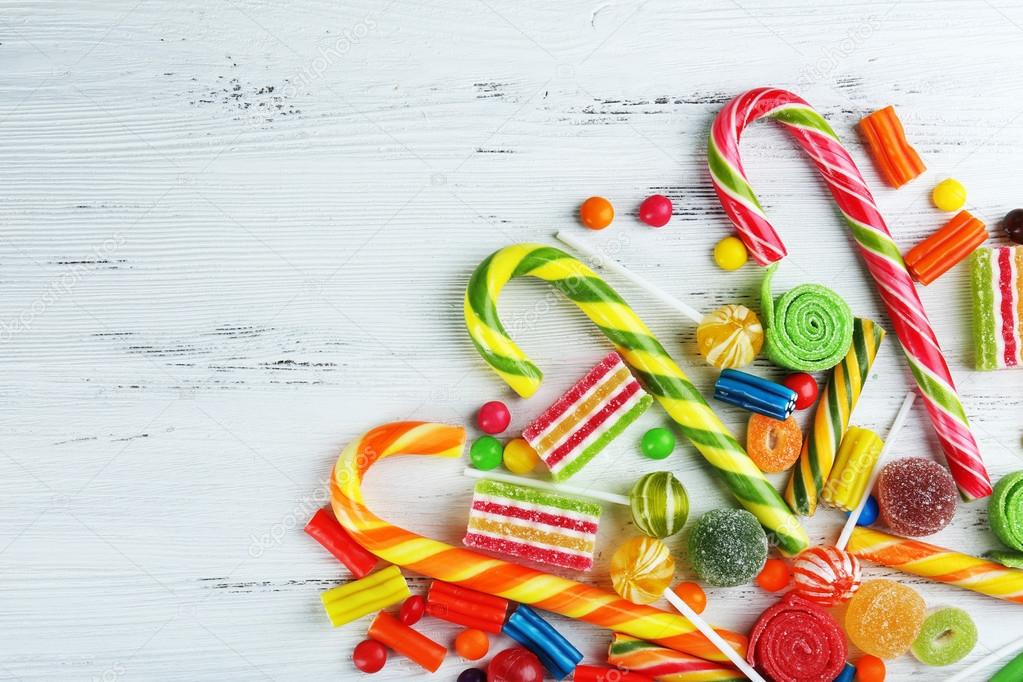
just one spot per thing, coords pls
(1005, 510)
(659, 504)
(1005, 557)
(946, 636)
(808, 328)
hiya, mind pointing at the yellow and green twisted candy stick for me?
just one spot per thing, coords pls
(651, 364)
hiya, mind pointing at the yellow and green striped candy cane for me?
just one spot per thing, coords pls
(651, 364)
(830, 422)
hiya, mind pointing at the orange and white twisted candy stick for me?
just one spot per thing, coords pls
(479, 572)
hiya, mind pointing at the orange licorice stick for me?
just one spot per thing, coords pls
(475, 571)
(395, 635)
(466, 607)
(934, 256)
(897, 162)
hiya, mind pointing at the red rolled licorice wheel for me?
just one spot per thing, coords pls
(797, 640)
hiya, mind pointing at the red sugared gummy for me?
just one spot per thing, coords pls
(655, 210)
(412, 610)
(693, 595)
(515, 665)
(805, 387)
(775, 575)
(870, 669)
(493, 417)
(472, 644)
(916, 496)
(369, 656)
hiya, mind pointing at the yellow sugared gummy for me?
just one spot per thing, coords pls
(519, 457)
(949, 195)
(730, 253)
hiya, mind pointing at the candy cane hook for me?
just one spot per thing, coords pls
(485, 574)
(874, 241)
(651, 364)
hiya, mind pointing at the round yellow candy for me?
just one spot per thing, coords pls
(519, 456)
(949, 195)
(730, 253)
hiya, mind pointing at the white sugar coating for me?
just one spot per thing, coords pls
(727, 547)
(916, 496)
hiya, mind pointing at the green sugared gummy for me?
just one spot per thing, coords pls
(1005, 557)
(946, 636)
(521, 493)
(728, 547)
(659, 504)
(1005, 510)
(983, 310)
(590, 452)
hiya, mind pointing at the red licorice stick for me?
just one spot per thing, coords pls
(934, 256)
(325, 529)
(598, 673)
(466, 607)
(395, 635)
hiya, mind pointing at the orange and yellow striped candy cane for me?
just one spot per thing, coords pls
(492, 576)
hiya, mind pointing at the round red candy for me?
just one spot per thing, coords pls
(369, 656)
(515, 665)
(493, 417)
(797, 641)
(805, 387)
(412, 610)
(655, 210)
(916, 496)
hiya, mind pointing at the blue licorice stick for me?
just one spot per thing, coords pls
(848, 673)
(755, 394)
(531, 631)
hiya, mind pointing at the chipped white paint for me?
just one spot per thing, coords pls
(235, 235)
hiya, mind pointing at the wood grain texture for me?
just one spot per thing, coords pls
(235, 235)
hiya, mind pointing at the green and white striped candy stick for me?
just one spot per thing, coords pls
(651, 364)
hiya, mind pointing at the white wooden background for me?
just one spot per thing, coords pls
(235, 235)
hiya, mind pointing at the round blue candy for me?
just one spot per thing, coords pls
(870, 511)
(848, 673)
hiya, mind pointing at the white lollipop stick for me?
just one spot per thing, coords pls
(854, 515)
(970, 671)
(601, 260)
(715, 639)
(613, 498)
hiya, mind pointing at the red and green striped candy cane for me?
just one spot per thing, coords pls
(909, 321)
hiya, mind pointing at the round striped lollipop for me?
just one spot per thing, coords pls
(826, 575)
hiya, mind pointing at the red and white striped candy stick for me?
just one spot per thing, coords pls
(909, 321)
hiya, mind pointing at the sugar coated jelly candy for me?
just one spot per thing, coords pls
(797, 641)
(826, 575)
(884, 618)
(773, 444)
(730, 337)
(946, 636)
(728, 547)
(916, 496)
(641, 569)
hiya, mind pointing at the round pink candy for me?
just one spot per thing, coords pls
(655, 210)
(493, 417)
(825, 575)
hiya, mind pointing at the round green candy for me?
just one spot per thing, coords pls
(946, 636)
(659, 504)
(658, 443)
(486, 453)
(728, 547)
(1005, 510)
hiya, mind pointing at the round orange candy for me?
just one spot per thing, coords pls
(692, 594)
(773, 445)
(775, 575)
(472, 644)
(870, 669)
(596, 213)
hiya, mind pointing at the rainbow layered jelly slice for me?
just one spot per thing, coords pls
(588, 417)
(533, 524)
(996, 276)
